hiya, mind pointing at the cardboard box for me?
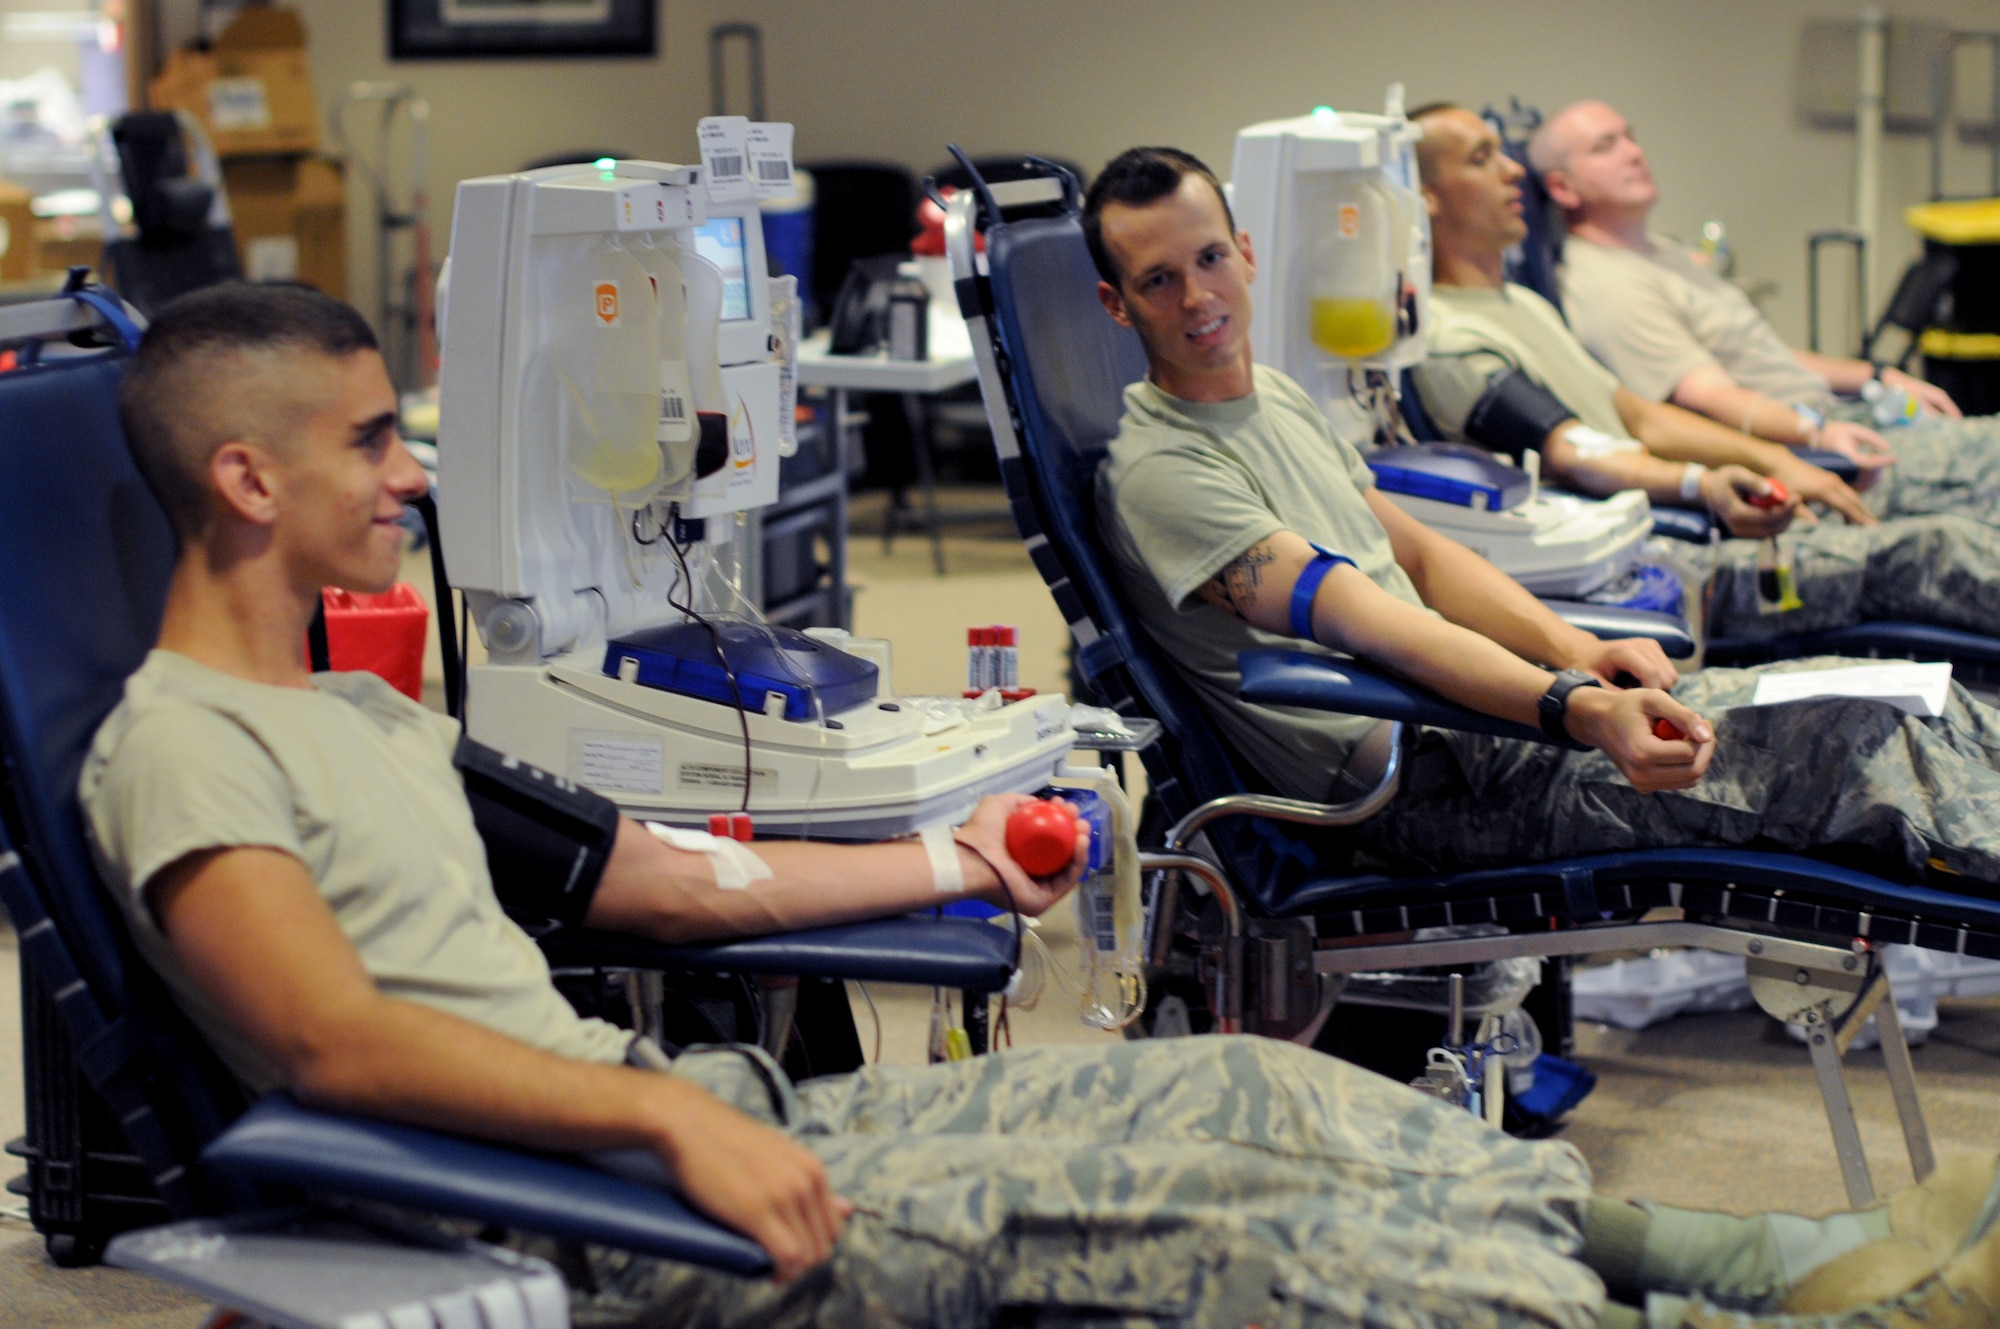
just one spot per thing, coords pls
(20, 258)
(289, 215)
(253, 92)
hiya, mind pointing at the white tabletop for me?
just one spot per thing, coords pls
(818, 368)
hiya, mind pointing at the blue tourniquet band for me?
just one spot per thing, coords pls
(1307, 586)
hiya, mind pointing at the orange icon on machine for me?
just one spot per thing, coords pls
(607, 303)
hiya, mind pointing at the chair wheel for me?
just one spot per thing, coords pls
(73, 1250)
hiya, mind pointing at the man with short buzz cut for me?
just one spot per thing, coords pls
(1675, 330)
(1504, 371)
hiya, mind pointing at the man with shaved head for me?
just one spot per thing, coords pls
(1505, 372)
(1674, 330)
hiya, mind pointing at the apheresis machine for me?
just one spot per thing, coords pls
(616, 392)
(1337, 220)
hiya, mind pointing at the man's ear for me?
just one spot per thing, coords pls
(1431, 204)
(1249, 255)
(241, 475)
(1561, 191)
(1114, 304)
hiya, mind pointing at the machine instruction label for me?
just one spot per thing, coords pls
(619, 763)
(717, 776)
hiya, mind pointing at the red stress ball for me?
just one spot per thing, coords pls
(1041, 837)
(1777, 498)
(1668, 730)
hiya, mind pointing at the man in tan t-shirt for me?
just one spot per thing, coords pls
(1599, 436)
(1674, 330)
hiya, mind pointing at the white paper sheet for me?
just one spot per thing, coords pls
(1919, 689)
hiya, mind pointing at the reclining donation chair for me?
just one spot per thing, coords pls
(1975, 658)
(1278, 908)
(131, 1119)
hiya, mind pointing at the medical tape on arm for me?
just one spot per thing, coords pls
(1590, 443)
(735, 867)
(947, 873)
(1307, 586)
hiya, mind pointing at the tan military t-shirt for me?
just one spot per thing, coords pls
(354, 780)
(1656, 317)
(1478, 331)
(1187, 487)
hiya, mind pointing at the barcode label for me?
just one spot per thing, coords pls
(676, 413)
(724, 150)
(768, 145)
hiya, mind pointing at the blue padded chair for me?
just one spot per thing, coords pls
(88, 552)
(1053, 369)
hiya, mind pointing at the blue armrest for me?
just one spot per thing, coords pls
(1292, 678)
(280, 1142)
(1612, 621)
(1689, 524)
(1839, 463)
(1890, 640)
(930, 952)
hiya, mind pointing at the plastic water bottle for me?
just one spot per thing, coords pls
(1890, 406)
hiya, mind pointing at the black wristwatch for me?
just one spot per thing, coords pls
(1554, 705)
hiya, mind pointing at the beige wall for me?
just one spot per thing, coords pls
(1708, 83)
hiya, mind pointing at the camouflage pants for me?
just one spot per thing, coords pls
(1942, 466)
(1940, 569)
(1800, 776)
(1218, 1181)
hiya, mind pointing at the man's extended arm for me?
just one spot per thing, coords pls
(1708, 390)
(1680, 435)
(257, 938)
(1725, 490)
(1848, 376)
(671, 894)
(1351, 613)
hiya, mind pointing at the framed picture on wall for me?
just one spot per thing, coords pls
(431, 29)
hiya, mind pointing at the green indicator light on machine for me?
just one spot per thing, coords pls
(1322, 110)
(606, 163)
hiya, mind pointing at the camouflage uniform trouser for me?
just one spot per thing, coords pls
(1223, 1181)
(1943, 570)
(1935, 560)
(1942, 466)
(1800, 776)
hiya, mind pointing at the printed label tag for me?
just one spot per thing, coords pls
(604, 304)
(709, 775)
(617, 763)
(725, 158)
(676, 403)
(1350, 221)
(236, 104)
(768, 146)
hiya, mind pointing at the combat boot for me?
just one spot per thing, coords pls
(1952, 1212)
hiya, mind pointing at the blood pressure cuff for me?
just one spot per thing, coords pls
(1515, 414)
(547, 839)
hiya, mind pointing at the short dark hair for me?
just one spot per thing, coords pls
(1136, 177)
(177, 402)
(1426, 151)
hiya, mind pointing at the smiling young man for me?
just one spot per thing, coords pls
(1492, 339)
(1672, 329)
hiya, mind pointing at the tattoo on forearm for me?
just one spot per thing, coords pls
(1235, 587)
